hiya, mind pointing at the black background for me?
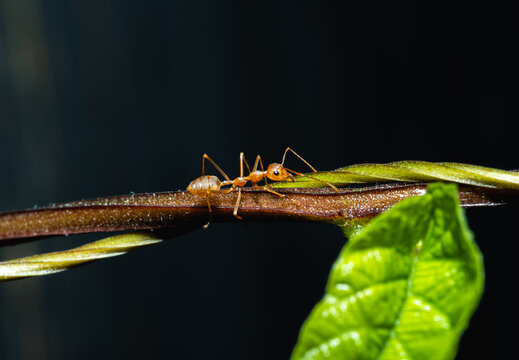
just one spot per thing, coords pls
(104, 97)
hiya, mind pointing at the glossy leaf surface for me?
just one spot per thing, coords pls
(403, 288)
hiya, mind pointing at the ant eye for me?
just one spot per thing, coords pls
(276, 173)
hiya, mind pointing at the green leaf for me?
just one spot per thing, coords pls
(402, 288)
(410, 171)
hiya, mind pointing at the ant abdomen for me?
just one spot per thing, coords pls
(204, 185)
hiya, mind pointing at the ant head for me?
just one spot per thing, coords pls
(277, 172)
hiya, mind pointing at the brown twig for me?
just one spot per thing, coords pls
(181, 211)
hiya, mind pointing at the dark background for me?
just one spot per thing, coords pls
(105, 97)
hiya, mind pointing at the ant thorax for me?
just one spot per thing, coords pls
(256, 176)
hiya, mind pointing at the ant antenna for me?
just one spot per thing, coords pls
(310, 166)
(300, 158)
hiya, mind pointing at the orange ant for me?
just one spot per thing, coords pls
(208, 185)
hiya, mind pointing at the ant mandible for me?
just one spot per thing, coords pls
(208, 185)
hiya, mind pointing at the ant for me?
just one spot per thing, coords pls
(208, 185)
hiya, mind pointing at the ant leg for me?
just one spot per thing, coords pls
(300, 158)
(243, 160)
(210, 212)
(266, 188)
(258, 161)
(262, 169)
(258, 158)
(242, 156)
(205, 156)
(226, 191)
(315, 179)
(208, 204)
(235, 212)
(209, 193)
